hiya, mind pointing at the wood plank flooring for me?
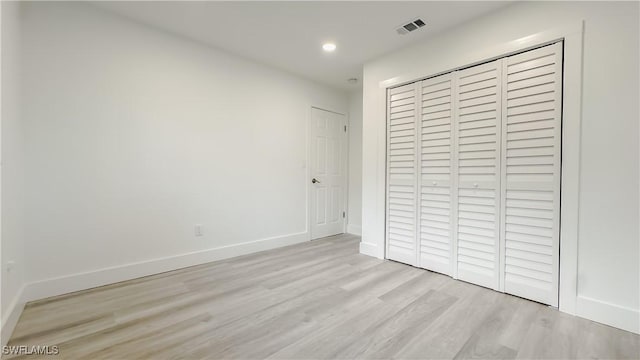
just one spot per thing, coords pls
(317, 300)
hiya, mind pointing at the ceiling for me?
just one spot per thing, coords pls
(289, 35)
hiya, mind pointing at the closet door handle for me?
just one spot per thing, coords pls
(315, 181)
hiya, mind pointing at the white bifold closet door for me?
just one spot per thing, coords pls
(477, 138)
(436, 174)
(473, 174)
(402, 176)
(531, 173)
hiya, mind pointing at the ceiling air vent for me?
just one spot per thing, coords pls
(411, 26)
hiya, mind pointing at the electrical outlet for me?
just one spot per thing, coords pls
(198, 230)
(10, 265)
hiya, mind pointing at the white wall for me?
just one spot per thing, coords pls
(12, 179)
(609, 253)
(134, 135)
(354, 218)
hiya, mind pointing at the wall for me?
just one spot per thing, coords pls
(608, 243)
(12, 179)
(134, 135)
(354, 219)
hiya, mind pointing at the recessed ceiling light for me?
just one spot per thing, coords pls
(329, 47)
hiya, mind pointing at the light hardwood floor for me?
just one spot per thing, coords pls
(317, 300)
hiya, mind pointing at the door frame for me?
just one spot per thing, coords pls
(345, 164)
(572, 36)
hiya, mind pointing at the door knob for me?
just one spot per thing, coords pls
(315, 181)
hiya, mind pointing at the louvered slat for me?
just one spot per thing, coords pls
(531, 173)
(477, 138)
(402, 161)
(436, 170)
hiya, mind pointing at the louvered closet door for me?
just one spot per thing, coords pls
(436, 245)
(402, 177)
(531, 173)
(477, 137)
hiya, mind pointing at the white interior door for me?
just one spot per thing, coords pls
(436, 174)
(402, 179)
(328, 173)
(473, 173)
(532, 103)
(477, 138)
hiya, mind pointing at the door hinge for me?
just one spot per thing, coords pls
(345, 128)
(344, 215)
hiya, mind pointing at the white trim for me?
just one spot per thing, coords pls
(81, 281)
(2, 320)
(371, 249)
(489, 54)
(11, 317)
(570, 168)
(86, 280)
(307, 186)
(607, 313)
(347, 167)
(2, 343)
(354, 229)
(572, 109)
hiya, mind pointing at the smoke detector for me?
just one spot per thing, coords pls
(410, 26)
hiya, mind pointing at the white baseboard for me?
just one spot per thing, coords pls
(608, 313)
(596, 310)
(81, 281)
(370, 249)
(354, 229)
(10, 318)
